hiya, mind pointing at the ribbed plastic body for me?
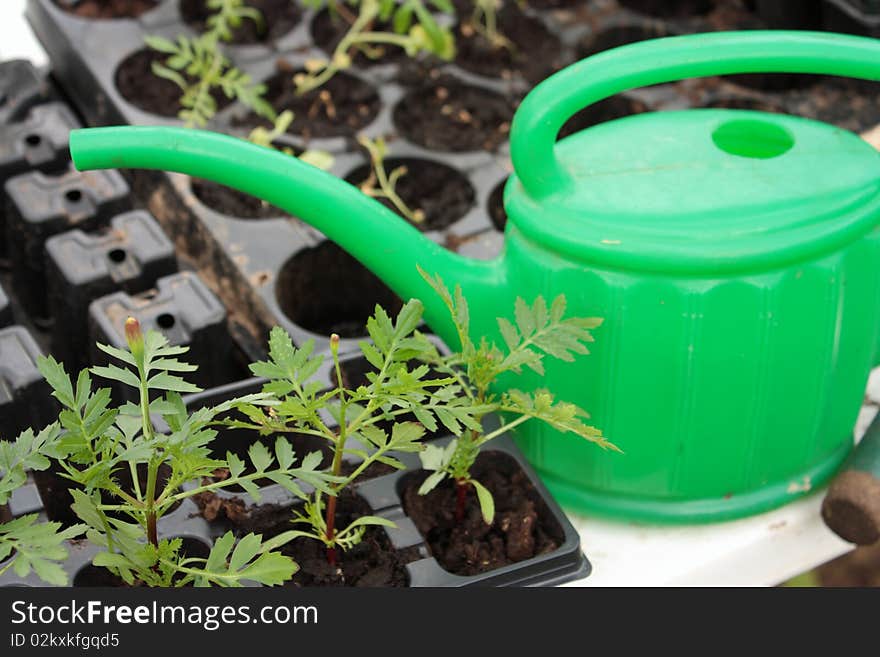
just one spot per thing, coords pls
(728, 396)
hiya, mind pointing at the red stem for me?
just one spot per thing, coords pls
(152, 533)
(461, 498)
(331, 529)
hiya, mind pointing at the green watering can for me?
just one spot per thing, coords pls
(734, 255)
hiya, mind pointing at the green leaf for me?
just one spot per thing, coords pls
(57, 378)
(236, 465)
(260, 456)
(161, 44)
(219, 553)
(270, 569)
(284, 453)
(163, 381)
(247, 548)
(431, 482)
(509, 333)
(487, 504)
(408, 318)
(115, 373)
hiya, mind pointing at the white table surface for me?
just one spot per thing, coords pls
(758, 551)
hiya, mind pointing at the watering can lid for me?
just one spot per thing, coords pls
(704, 189)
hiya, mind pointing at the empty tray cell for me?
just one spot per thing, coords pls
(81, 267)
(21, 87)
(25, 397)
(185, 311)
(37, 142)
(40, 206)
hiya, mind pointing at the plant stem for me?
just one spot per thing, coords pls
(330, 518)
(152, 467)
(369, 11)
(331, 529)
(460, 499)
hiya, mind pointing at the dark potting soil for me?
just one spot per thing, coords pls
(620, 35)
(138, 84)
(279, 18)
(608, 109)
(371, 563)
(107, 8)
(532, 50)
(497, 213)
(734, 102)
(325, 290)
(451, 116)
(554, 4)
(232, 202)
(341, 107)
(523, 527)
(442, 193)
(328, 30)
(669, 8)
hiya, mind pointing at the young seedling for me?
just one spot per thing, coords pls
(415, 30)
(25, 544)
(539, 331)
(484, 21)
(197, 66)
(229, 15)
(102, 446)
(381, 184)
(267, 137)
(368, 421)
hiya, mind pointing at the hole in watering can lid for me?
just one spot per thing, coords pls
(753, 138)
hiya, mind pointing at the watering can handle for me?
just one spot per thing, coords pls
(546, 109)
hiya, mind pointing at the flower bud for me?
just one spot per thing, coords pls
(133, 335)
(334, 344)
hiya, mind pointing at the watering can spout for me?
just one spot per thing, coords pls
(385, 243)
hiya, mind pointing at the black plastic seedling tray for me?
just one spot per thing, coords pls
(261, 263)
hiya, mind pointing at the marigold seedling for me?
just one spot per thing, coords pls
(414, 29)
(381, 183)
(538, 332)
(25, 544)
(197, 66)
(102, 444)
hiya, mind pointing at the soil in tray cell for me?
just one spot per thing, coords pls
(328, 30)
(452, 116)
(138, 84)
(278, 18)
(523, 527)
(341, 107)
(497, 213)
(371, 563)
(107, 8)
(608, 109)
(325, 290)
(441, 193)
(524, 46)
(233, 203)
(669, 8)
